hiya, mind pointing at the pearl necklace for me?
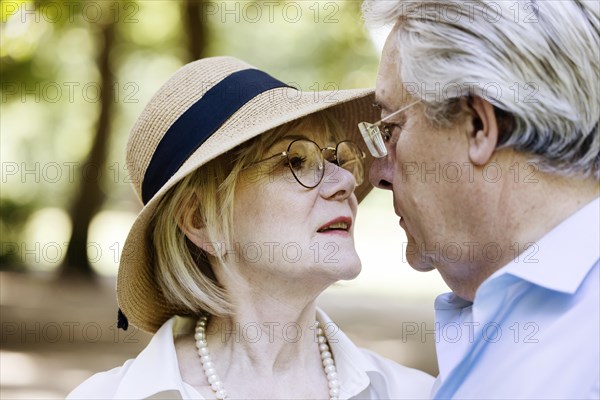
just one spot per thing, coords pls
(217, 385)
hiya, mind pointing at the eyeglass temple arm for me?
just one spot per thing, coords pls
(282, 154)
(396, 112)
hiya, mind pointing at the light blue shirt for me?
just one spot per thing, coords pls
(533, 330)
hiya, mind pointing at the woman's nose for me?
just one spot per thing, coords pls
(338, 183)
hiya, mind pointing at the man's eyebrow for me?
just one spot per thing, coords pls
(381, 105)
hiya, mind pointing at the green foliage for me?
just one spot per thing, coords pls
(48, 71)
(312, 43)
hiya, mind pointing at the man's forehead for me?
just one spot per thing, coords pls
(389, 93)
(389, 88)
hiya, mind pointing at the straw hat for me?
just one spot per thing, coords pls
(205, 109)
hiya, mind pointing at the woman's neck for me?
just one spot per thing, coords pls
(269, 335)
(266, 350)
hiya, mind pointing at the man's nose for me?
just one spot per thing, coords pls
(381, 174)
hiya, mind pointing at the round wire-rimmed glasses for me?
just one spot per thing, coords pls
(306, 160)
(376, 134)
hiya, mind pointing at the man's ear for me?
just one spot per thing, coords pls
(483, 136)
(196, 232)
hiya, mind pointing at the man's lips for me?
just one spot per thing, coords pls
(401, 220)
(339, 224)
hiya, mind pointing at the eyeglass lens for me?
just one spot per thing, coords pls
(373, 138)
(350, 157)
(306, 161)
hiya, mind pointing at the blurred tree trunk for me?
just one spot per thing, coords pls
(195, 27)
(90, 197)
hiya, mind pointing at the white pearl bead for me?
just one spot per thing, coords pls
(334, 392)
(207, 365)
(203, 351)
(199, 336)
(327, 361)
(325, 355)
(334, 384)
(332, 375)
(217, 385)
(323, 347)
(213, 379)
(321, 339)
(330, 368)
(221, 394)
(204, 359)
(210, 371)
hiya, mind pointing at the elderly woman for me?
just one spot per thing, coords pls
(251, 191)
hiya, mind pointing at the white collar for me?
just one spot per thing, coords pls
(352, 366)
(156, 366)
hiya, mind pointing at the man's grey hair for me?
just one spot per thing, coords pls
(537, 62)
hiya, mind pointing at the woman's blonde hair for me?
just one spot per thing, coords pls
(205, 198)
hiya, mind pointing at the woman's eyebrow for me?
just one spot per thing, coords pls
(291, 137)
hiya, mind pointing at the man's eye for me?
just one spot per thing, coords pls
(386, 132)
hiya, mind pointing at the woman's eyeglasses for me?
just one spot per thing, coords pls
(306, 160)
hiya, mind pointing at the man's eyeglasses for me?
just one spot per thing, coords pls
(376, 137)
(306, 160)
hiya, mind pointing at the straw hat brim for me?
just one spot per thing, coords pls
(138, 295)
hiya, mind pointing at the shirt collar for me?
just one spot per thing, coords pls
(353, 367)
(562, 258)
(155, 369)
(450, 301)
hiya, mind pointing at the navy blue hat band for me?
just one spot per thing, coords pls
(200, 121)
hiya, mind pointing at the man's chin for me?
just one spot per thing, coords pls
(421, 268)
(416, 263)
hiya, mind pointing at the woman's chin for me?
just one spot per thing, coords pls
(349, 270)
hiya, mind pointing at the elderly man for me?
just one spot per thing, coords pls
(490, 144)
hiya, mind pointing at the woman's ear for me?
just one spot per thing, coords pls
(483, 136)
(193, 228)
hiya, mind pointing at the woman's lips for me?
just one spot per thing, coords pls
(337, 226)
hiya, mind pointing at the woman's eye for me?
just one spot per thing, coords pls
(296, 161)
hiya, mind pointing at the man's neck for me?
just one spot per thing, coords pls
(544, 207)
(523, 211)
